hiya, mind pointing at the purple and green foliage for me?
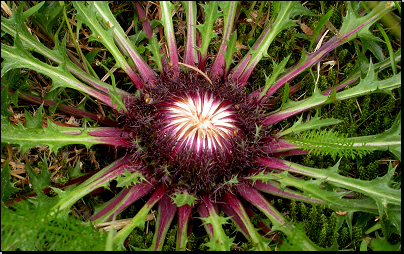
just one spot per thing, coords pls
(194, 137)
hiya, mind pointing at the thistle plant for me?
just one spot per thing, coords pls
(195, 136)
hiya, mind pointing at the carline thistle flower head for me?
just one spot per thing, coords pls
(200, 122)
(195, 131)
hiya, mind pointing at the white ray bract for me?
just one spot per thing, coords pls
(201, 121)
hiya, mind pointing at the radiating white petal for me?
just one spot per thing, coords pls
(200, 121)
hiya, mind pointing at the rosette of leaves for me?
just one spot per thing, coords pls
(193, 129)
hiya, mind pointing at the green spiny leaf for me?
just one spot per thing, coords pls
(231, 49)
(12, 80)
(368, 85)
(181, 199)
(206, 29)
(314, 123)
(216, 244)
(381, 244)
(36, 121)
(287, 10)
(378, 189)
(383, 185)
(128, 179)
(15, 24)
(40, 181)
(61, 193)
(233, 180)
(219, 240)
(89, 15)
(49, 136)
(155, 46)
(75, 172)
(60, 49)
(7, 188)
(5, 101)
(18, 57)
(299, 240)
(352, 19)
(371, 84)
(32, 10)
(285, 96)
(388, 140)
(264, 177)
(277, 70)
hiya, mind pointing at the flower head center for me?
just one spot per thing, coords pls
(200, 122)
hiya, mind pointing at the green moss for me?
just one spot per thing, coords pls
(323, 83)
(197, 243)
(342, 54)
(170, 239)
(336, 17)
(320, 226)
(140, 240)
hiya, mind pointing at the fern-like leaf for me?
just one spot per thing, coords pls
(328, 143)
(335, 144)
(32, 230)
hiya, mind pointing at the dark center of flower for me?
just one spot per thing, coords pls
(200, 123)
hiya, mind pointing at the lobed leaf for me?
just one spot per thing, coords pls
(285, 11)
(356, 27)
(181, 199)
(206, 29)
(128, 179)
(40, 182)
(368, 85)
(50, 136)
(219, 240)
(101, 179)
(378, 189)
(140, 218)
(313, 123)
(382, 244)
(107, 17)
(16, 26)
(36, 121)
(270, 81)
(18, 57)
(7, 188)
(388, 140)
(90, 15)
(155, 46)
